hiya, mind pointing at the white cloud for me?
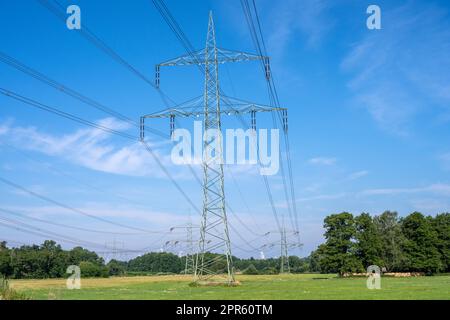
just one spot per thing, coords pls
(445, 161)
(292, 17)
(3, 130)
(325, 161)
(4, 127)
(437, 189)
(401, 70)
(152, 217)
(324, 197)
(431, 205)
(358, 174)
(91, 148)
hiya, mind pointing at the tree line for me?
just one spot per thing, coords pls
(415, 243)
(49, 260)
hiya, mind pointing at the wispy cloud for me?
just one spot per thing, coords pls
(4, 127)
(324, 197)
(358, 174)
(437, 189)
(291, 18)
(431, 205)
(90, 148)
(400, 71)
(444, 159)
(324, 161)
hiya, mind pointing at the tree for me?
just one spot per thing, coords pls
(156, 262)
(78, 254)
(369, 244)
(392, 240)
(338, 252)
(441, 224)
(54, 259)
(5, 261)
(116, 268)
(251, 270)
(421, 244)
(92, 270)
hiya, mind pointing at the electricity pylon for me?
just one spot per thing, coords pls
(284, 257)
(284, 245)
(116, 250)
(190, 262)
(214, 262)
(187, 243)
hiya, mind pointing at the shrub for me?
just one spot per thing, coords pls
(92, 270)
(251, 270)
(7, 293)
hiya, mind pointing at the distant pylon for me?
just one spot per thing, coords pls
(284, 256)
(190, 261)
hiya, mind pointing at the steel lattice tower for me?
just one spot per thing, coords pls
(214, 211)
(214, 262)
(190, 261)
(284, 244)
(284, 256)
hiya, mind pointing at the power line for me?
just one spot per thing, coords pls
(51, 168)
(59, 204)
(103, 128)
(64, 114)
(177, 30)
(273, 95)
(100, 127)
(43, 232)
(59, 11)
(15, 213)
(68, 91)
(78, 119)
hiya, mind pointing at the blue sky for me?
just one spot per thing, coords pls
(369, 114)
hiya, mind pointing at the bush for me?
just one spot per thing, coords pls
(7, 293)
(116, 268)
(270, 270)
(251, 270)
(91, 270)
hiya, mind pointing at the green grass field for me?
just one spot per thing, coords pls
(291, 287)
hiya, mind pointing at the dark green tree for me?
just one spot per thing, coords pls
(156, 262)
(116, 268)
(92, 270)
(392, 241)
(5, 261)
(337, 255)
(441, 224)
(251, 270)
(421, 245)
(78, 254)
(368, 247)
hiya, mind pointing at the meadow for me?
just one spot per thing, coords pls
(286, 286)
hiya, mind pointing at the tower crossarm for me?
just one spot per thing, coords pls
(195, 108)
(231, 107)
(223, 56)
(201, 57)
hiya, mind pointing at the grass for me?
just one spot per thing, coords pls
(7, 293)
(290, 287)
